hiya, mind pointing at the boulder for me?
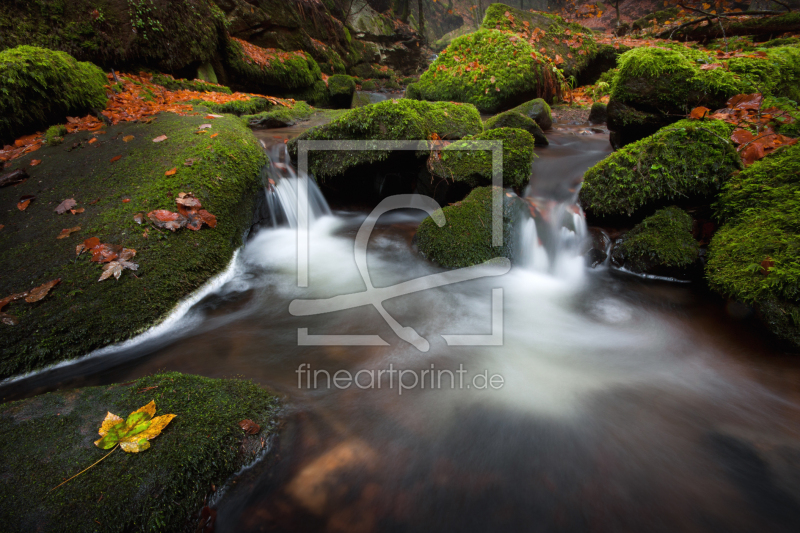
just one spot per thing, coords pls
(49, 438)
(514, 119)
(599, 113)
(280, 116)
(40, 86)
(753, 256)
(466, 237)
(687, 160)
(538, 111)
(342, 88)
(399, 46)
(491, 69)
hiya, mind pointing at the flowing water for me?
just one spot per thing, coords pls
(625, 405)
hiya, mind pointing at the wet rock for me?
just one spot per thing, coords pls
(342, 88)
(599, 247)
(12, 178)
(599, 113)
(514, 119)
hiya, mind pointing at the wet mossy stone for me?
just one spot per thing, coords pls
(80, 314)
(368, 85)
(400, 120)
(284, 73)
(466, 238)
(662, 244)
(367, 71)
(251, 106)
(280, 116)
(172, 84)
(55, 134)
(465, 162)
(49, 438)
(687, 160)
(538, 111)
(513, 119)
(39, 87)
(754, 255)
(342, 89)
(491, 69)
(557, 32)
(628, 124)
(777, 74)
(598, 113)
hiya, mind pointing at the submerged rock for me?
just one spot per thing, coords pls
(687, 160)
(753, 256)
(49, 438)
(40, 86)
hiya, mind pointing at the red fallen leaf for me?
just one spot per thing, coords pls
(24, 202)
(249, 427)
(209, 219)
(741, 136)
(171, 172)
(105, 253)
(66, 205)
(752, 153)
(766, 265)
(67, 232)
(116, 158)
(161, 218)
(41, 291)
(91, 243)
(126, 200)
(745, 101)
(2, 226)
(699, 112)
(35, 162)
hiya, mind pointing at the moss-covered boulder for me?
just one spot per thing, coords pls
(170, 36)
(466, 237)
(775, 72)
(662, 245)
(40, 86)
(491, 69)
(280, 116)
(538, 111)
(49, 438)
(570, 45)
(687, 160)
(514, 119)
(598, 113)
(170, 83)
(112, 180)
(387, 120)
(342, 89)
(465, 162)
(754, 256)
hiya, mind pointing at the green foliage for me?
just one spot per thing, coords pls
(754, 256)
(39, 87)
(387, 120)
(464, 161)
(44, 440)
(514, 119)
(55, 134)
(466, 237)
(76, 317)
(661, 240)
(508, 71)
(170, 83)
(687, 159)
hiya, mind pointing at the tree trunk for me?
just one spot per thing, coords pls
(405, 11)
(421, 22)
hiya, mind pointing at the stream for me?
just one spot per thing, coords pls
(623, 404)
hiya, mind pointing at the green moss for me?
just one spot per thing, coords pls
(80, 314)
(317, 95)
(661, 241)
(47, 439)
(39, 87)
(55, 134)
(513, 119)
(685, 160)
(466, 237)
(342, 88)
(368, 71)
(538, 111)
(251, 106)
(368, 85)
(760, 208)
(286, 71)
(170, 83)
(490, 69)
(387, 120)
(280, 116)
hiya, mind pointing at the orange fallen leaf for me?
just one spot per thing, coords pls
(77, 211)
(24, 202)
(126, 200)
(699, 112)
(128, 138)
(35, 162)
(116, 158)
(742, 136)
(92, 140)
(171, 172)
(67, 232)
(214, 135)
(41, 291)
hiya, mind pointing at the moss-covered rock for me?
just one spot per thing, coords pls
(689, 159)
(466, 237)
(251, 106)
(55, 135)
(280, 116)
(464, 162)
(754, 256)
(387, 120)
(571, 42)
(49, 438)
(491, 69)
(662, 244)
(538, 111)
(598, 113)
(513, 119)
(777, 73)
(342, 89)
(368, 71)
(39, 87)
(172, 84)
(369, 85)
(169, 36)
(80, 314)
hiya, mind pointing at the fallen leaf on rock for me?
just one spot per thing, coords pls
(711, 66)
(66, 205)
(208, 218)
(187, 200)
(35, 162)
(139, 217)
(214, 135)
(41, 291)
(25, 201)
(105, 253)
(249, 427)
(94, 201)
(160, 138)
(128, 138)
(204, 126)
(126, 200)
(116, 158)
(699, 112)
(12, 178)
(134, 433)
(171, 172)
(91, 243)
(80, 249)
(214, 116)
(9, 320)
(161, 218)
(77, 211)
(741, 136)
(14, 297)
(67, 232)
(92, 140)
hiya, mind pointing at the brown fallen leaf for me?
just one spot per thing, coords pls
(189, 162)
(66, 205)
(249, 427)
(116, 158)
(77, 211)
(80, 249)
(14, 297)
(67, 232)
(161, 218)
(24, 202)
(139, 217)
(105, 253)
(171, 172)
(94, 201)
(91, 243)
(699, 112)
(35, 162)
(128, 138)
(8, 320)
(92, 140)
(160, 138)
(208, 218)
(2, 226)
(41, 291)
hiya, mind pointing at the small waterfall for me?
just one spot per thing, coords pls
(281, 184)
